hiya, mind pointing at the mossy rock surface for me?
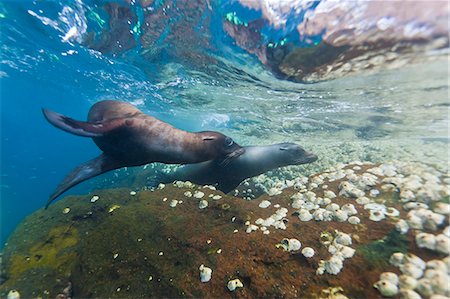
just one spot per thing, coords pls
(137, 246)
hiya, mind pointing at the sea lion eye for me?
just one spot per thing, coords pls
(228, 142)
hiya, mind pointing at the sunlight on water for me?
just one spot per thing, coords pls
(362, 85)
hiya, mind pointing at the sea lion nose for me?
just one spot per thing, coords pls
(311, 157)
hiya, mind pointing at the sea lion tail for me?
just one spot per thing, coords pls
(85, 171)
(70, 125)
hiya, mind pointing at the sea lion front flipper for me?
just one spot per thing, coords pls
(81, 128)
(87, 170)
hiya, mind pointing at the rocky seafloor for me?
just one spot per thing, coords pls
(358, 230)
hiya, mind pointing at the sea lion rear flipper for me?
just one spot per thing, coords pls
(85, 171)
(80, 128)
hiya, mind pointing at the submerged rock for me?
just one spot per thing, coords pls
(148, 247)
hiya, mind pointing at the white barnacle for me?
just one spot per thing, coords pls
(205, 273)
(411, 270)
(304, 215)
(407, 282)
(329, 194)
(354, 220)
(363, 200)
(392, 212)
(340, 215)
(342, 238)
(425, 240)
(442, 208)
(402, 226)
(198, 194)
(386, 288)
(389, 276)
(202, 204)
(397, 259)
(409, 294)
(350, 209)
(334, 265)
(376, 215)
(415, 260)
(308, 252)
(442, 244)
(13, 294)
(234, 284)
(264, 204)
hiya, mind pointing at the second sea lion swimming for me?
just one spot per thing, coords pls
(128, 137)
(255, 161)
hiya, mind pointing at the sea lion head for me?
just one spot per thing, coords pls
(295, 154)
(221, 145)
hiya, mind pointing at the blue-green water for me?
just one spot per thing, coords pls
(215, 65)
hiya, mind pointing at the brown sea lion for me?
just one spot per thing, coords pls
(128, 137)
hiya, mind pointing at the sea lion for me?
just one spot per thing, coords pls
(128, 137)
(255, 161)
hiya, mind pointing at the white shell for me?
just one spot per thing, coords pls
(350, 209)
(362, 200)
(443, 244)
(318, 214)
(397, 259)
(205, 273)
(446, 231)
(340, 215)
(376, 215)
(343, 238)
(389, 276)
(343, 251)
(333, 207)
(437, 265)
(414, 205)
(442, 208)
(425, 240)
(234, 284)
(354, 220)
(264, 204)
(13, 294)
(411, 270)
(386, 288)
(402, 226)
(334, 265)
(251, 228)
(294, 245)
(407, 282)
(392, 212)
(202, 204)
(199, 194)
(409, 294)
(304, 215)
(415, 260)
(424, 287)
(440, 283)
(329, 194)
(432, 221)
(308, 252)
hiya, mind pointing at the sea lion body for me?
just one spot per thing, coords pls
(142, 139)
(128, 137)
(254, 161)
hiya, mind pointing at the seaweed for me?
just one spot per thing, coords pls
(378, 252)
